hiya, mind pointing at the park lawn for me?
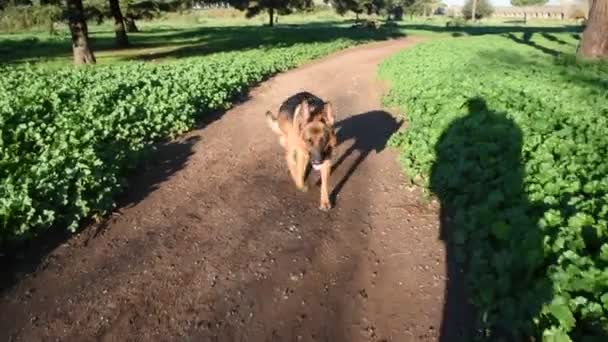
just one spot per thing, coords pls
(509, 132)
(179, 36)
(439, 27)
(172, 43)
(196, 33)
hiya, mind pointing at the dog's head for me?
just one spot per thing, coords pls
(317, 131)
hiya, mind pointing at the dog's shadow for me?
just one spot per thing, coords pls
(369, 131)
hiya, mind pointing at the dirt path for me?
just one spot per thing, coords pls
(217, 245)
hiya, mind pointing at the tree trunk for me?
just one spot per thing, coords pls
(80, 35)
(525, 18)
(52, 30)
(130, 22)
(119, 26)
(473, 10)
(594, 44)
(271, 17)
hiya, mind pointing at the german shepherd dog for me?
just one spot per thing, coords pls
(305, 126)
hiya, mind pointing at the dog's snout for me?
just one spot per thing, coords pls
(316, 157)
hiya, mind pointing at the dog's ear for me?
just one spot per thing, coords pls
(302, 114)
(328, 113)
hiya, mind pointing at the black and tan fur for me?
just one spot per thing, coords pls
(305, 126)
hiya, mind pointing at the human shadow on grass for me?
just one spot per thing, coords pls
(494, 248)
(369, 132)
(19, 258)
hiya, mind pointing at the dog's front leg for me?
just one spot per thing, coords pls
(293, 158)
(301, 163)
(325, 173)
(290, 156)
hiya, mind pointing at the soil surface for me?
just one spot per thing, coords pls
(214, 242)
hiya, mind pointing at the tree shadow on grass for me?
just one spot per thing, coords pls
(227, 39)
(566, 67)
(493, 30)
(527, 40)
(154, 43)
(180, 43)
(494, 248)
(555, 39)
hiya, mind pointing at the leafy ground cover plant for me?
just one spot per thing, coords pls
(510, 135)
(69, 137)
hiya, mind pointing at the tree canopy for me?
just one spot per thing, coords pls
(255, 7)
(360, 6)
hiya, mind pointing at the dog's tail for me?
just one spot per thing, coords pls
(272, 122)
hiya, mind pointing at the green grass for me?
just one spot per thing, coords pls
(509, 132)
(174, 43)
(198, 33)
(181, 36)
(437, 27)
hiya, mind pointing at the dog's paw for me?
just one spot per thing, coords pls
(303, 188)
(325, 206)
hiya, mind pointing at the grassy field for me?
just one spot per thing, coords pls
(504, 126)
(198, 33)
(178, 36)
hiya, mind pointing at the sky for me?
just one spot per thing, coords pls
(494, 2)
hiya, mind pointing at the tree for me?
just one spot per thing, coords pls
(149, 9)
(254, 7)
(430, 6)
(80, 33)
(477, 8)
(594, 44)
(361, 6)
(521, 3)
(441, 8)
(419, 7)
(119, 25)
(474, 10)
